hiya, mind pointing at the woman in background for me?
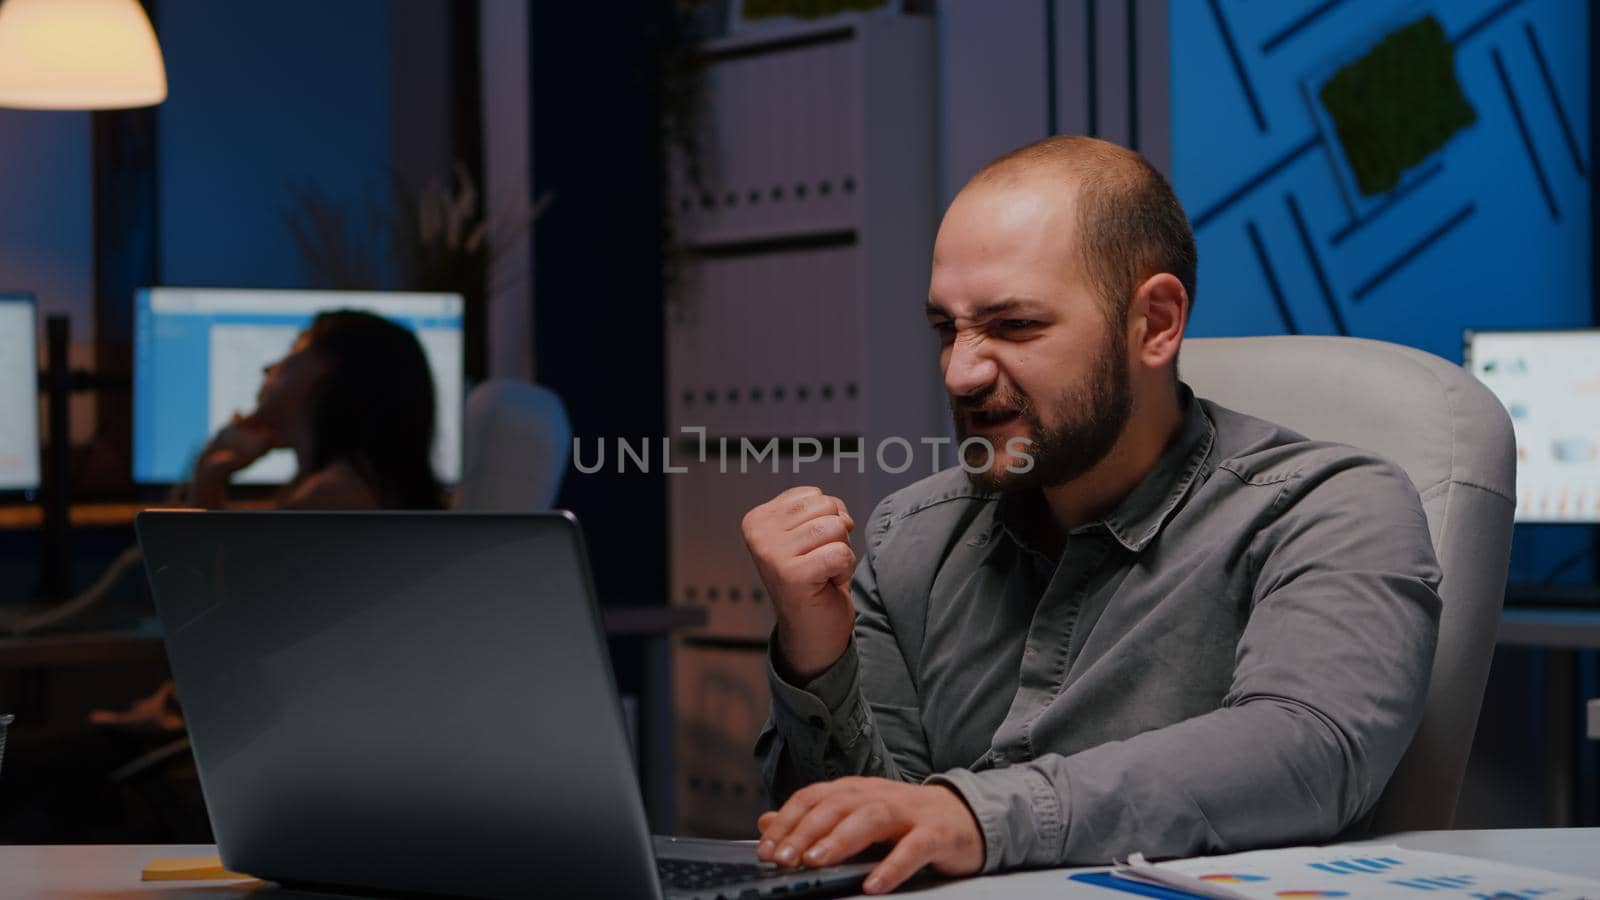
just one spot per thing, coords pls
(355, 401)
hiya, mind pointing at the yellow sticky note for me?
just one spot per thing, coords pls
(188, 868)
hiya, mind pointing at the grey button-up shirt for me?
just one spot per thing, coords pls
(1236, 656)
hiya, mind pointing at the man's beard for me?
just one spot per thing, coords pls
(1095, 416)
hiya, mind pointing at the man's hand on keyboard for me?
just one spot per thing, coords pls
(830, 822)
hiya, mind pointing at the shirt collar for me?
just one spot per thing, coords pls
(1135, 521)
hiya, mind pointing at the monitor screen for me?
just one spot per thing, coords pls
(1549, 382)
(199, 355)
(19, 394)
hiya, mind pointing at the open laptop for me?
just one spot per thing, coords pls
(417, 702)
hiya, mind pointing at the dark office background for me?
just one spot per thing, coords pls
(271, 99)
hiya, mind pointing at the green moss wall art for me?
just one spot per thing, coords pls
(1396, 105)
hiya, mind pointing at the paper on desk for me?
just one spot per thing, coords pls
(188, 868)
(1380, 872)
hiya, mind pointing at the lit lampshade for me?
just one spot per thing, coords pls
(79, 54)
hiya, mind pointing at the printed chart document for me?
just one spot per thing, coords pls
(1357, 872)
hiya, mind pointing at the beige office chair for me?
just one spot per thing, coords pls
(516, 447)
(1453, 437)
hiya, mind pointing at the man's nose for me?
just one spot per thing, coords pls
(971, 370)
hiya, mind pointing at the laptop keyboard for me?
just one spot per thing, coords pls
(692, 875)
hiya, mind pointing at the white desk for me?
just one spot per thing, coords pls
(112, 872)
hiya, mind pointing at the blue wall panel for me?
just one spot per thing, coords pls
(46, 235)
(1471, 240)
(266, 98)
(1490, 231)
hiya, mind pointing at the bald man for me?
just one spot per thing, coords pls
(1150, 625)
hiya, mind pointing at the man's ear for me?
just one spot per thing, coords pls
(1164, 306)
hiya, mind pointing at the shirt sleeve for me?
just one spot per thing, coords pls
(831, 727)
(1329, 680)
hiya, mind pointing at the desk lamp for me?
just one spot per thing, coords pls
(79, 54)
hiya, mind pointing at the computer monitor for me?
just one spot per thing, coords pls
(1549, 382)
(19, 394)
(199, 355)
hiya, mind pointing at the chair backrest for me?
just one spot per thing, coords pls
(1453, 437)
(518, 441)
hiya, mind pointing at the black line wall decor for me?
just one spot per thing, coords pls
(1527, 139)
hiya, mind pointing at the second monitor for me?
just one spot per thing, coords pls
(19, 394)
(199, 355)
(1549, 382)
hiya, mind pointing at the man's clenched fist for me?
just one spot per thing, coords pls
(800, 541)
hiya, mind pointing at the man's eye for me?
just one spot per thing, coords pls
(1017, 324)
(944, 327)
